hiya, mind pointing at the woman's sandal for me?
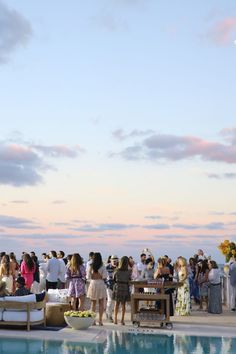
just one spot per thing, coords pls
(115, 322)
(123, 323)
(100, 323)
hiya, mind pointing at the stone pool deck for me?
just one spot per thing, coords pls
(227, 318)
(198, 323)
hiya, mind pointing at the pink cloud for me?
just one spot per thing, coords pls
(221, 32)
(174, 148)
(24, 164)
(13, 152)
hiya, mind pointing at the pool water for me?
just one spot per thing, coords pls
(122, 343)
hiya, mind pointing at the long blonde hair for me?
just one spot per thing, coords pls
(161, 262)
(75, 263)
(184, 261)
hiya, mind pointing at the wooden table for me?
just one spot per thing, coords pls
(55, 313)
(158, 284)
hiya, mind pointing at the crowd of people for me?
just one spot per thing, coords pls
(107, 284)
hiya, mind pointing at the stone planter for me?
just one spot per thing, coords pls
(79, 322)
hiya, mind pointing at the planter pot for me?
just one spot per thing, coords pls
(79, 322)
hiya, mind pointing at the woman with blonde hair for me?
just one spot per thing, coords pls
(121, 290)
(75, 275)
(183, 295)
(7, 273)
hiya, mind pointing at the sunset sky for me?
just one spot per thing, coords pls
(118, 126)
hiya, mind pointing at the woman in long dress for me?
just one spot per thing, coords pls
(121, 289)
(214, 292)
(97, 290)
(194, 288)
(183, 295)
(203, 283)
(75, 275)
(163, 272)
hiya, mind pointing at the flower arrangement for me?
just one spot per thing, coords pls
(81, 314)
(228, 249)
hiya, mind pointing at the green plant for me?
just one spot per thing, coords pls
(81, 314)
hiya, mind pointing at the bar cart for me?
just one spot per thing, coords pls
(151, 315)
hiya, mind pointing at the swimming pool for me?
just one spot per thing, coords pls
(124, 343)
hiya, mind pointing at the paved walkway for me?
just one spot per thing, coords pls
(227, 318)
(198, 323)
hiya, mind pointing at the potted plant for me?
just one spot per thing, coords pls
(79, 319)
(228, 249)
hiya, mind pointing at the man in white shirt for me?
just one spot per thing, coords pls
(62, 274)
(142, 264)
(89, 262)
(53, 271)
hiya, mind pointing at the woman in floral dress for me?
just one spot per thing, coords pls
(75, 275)
(183, 296)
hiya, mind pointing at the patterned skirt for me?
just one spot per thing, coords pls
(76, 287)
(121, 292)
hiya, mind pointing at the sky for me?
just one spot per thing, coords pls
(118, 126)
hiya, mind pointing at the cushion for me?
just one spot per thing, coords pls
(58, 295)
(35, 315)
(25, 298)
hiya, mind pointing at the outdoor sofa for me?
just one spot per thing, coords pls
(22, 310)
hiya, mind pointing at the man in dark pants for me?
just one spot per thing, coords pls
(53, 271)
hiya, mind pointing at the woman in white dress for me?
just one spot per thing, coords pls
(97, 288)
